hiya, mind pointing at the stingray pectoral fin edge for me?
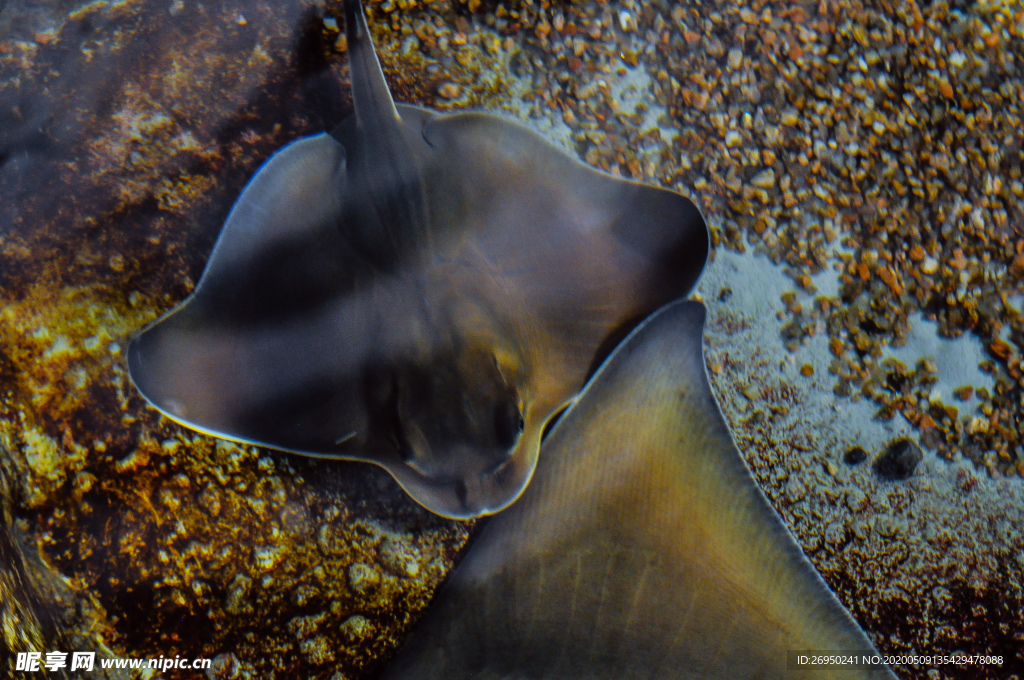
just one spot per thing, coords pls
(642, 548)
(262, 317)
(651, 241)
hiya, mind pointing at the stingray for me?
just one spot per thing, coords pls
(419, 290)
(643, 547)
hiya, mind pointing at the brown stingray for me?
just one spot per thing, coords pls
(418, 290)
(642, 548)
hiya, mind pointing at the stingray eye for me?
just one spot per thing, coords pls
(508, 423)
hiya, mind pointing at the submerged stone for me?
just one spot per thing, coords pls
(898, 460)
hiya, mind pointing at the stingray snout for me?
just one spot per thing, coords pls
(468, 481)
(454, 460)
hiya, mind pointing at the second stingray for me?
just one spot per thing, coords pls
(643, 548)
(418, 290)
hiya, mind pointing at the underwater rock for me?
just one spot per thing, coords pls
(855, 455)
(898, 460)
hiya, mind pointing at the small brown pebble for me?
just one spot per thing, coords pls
(807, 370)
(449, 90)
(1000, 348)
(963, 393)
(764, 179)
(1017, 266)
(889, 279)
(978, 425)
(735, 58)
(931, 438)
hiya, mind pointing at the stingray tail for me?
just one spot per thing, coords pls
(384, 166)
(370, 93)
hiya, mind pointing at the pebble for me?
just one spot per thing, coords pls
(855, 455)
(363, 578)
(450, 91)
(764, 179)
(356, 627)
(898, 460)
(735, 58)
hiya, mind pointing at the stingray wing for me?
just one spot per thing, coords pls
(587, 254)
(641, 549)
(254, 354)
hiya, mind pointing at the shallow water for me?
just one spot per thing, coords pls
(859, 167)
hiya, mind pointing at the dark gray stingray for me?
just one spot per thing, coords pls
(418, 290)
(642, 548)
